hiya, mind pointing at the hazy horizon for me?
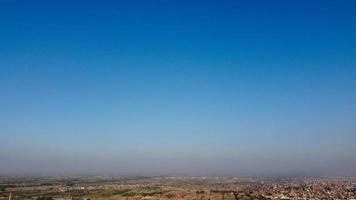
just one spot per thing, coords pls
(231, 88)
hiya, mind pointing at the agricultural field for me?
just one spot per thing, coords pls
(102, 188)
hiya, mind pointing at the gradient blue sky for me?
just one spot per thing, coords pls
(178, 87)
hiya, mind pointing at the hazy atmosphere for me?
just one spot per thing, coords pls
(266, 88)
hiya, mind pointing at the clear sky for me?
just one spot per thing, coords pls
(178, 87)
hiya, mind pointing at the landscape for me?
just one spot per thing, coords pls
(177, 99)
(175, 187)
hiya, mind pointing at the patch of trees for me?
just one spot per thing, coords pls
(70, 183)
(2, 188)
(44, 198)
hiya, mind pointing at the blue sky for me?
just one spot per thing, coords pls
(178, 87)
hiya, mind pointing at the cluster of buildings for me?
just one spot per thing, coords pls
(309, 189)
